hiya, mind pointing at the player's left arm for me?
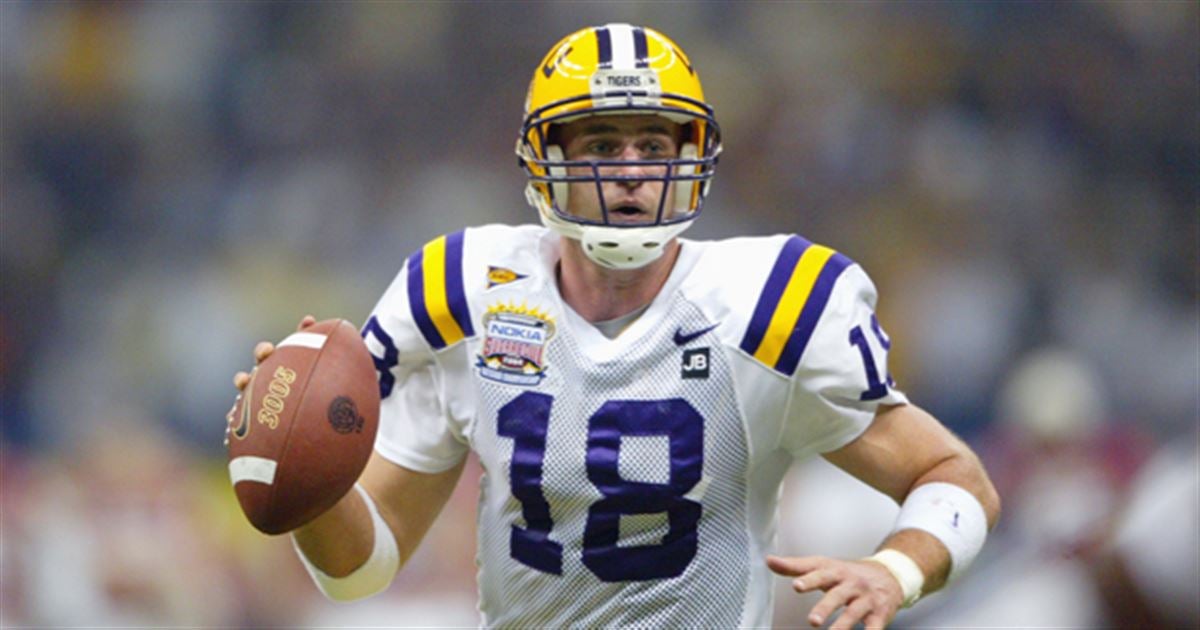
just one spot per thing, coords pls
(948, 505)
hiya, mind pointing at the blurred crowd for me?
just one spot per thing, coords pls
(181, 179)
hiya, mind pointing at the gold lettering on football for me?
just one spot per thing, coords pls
(277, 391)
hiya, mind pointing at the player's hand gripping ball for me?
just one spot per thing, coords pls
(303, 428)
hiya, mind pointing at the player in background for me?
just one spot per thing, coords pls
(635, 398)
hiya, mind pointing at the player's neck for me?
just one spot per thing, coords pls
(598, 293)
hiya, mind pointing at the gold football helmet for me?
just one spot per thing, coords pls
(617, 69)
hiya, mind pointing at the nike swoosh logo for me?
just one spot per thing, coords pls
(682, 338)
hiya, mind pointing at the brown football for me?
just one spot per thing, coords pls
(304, 427)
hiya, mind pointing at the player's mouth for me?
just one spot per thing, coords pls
(627, 212)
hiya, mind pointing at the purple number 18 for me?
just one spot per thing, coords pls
(526, 419)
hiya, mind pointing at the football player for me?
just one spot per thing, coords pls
(634, 397)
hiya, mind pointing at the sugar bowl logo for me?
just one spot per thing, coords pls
(514, 344)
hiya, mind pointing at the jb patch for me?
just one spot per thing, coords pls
(695, 363)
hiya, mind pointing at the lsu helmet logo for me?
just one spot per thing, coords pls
(514, 345)
(548, 69)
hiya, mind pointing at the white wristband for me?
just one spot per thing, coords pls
(906, 572)
(374, 575)
(952, 515)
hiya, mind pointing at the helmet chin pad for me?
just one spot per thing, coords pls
(628, 247)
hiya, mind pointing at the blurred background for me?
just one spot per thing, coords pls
(180, 180)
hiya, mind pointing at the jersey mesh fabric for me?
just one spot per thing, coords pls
(711, 590)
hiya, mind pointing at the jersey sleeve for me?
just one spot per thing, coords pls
(841, 374)
(405, 332)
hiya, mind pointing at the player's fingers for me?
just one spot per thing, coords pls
(829, 604)
(306, 321)
(853, 613)
(792, 566)
(241, 380)
(818, 580)
(263, 350)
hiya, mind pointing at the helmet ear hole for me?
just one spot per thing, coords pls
(554, 153)
(685, 190)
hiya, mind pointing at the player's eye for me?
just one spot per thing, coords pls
(657, 148)
(602, 147)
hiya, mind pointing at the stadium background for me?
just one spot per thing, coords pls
(180, 180)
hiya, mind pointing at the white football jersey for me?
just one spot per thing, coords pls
(629, 481)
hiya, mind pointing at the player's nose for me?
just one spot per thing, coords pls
(631, 166)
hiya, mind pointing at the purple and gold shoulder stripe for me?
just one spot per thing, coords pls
(435, 291)
(791, 303)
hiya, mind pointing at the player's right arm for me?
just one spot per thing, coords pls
(345, 554)
(355, 548)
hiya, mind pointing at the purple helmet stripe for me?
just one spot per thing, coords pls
(641, 50)
(604, 47)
